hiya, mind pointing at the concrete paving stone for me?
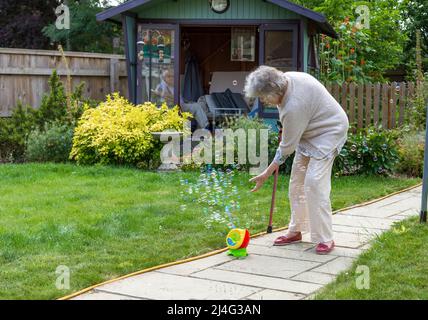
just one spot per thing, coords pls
(162, 286)
(314, 277)
(391, 200)
(411, 203)
(268, 294)
(282, 252)
(407, 213)
(268, 240)
(188, 268)
(365, 222)
(397, 218)
(335, 266)
(99, 295)
(371, 212)
(260, 281)
(273, 266)
(345, 252)
(356, 230)
(349, 240)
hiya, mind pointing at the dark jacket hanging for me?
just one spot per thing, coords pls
(192, 88)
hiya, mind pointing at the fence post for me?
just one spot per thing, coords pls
(114, 75)
(423, 214)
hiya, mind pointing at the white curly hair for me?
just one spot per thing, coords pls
(265, 81)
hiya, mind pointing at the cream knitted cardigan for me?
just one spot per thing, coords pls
(313, 122)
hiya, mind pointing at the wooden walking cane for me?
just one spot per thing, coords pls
(275, 182)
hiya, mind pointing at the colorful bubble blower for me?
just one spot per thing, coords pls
(237, 241)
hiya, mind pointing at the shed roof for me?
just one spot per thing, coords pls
(113, 14)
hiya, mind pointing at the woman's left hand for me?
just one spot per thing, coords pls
(259, 180)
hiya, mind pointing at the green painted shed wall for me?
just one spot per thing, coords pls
(305, 45)
(130, 26)
(200, 9)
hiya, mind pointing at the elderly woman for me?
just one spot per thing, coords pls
(315, 127)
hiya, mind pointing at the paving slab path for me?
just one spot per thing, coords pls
(289, 272)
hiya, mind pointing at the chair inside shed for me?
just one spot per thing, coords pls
(211, 46)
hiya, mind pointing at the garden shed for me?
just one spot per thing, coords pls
(206, 46)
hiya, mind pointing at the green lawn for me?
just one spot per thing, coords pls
(104, 222)
(397, 262)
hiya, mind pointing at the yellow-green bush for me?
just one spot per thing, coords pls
(117, 132)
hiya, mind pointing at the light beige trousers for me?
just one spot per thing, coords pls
(309, 194)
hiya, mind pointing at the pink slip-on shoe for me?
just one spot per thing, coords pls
(323, 248)
(284, 240)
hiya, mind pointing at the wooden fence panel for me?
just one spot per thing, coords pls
(372, 104)
(402, 101)
(344, 98)
(376, 101)
(392, 105)
(360, 89)
(385, 103)
(368, 108)
(351, 109)
(24, 75)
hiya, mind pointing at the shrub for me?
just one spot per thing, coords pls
(53, 143)
(415, 112)
(14, 132)
(371, 150)
(55, 107)
(411, 154)
(244, 123)
(117, 132)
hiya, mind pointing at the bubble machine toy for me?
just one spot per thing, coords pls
(237, 241)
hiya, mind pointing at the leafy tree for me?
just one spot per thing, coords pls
(380, 46)
(85, 33)
(21, 23)
(415, 18)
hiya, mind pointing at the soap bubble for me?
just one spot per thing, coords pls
(353, 148)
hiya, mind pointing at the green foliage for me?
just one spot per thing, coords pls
(117, 132)
(54, 106)
(371, 150)
(246, 124)
(52, 144)
(14, 132)
(360, 55)
(85, 33)
(411, 154)
(415, 19)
